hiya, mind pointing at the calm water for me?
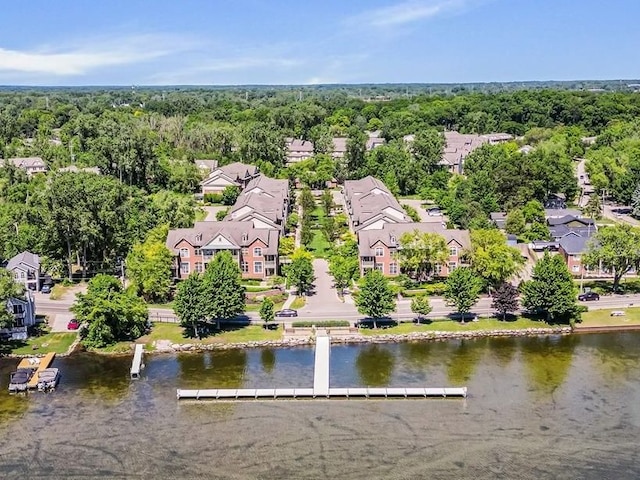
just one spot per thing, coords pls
(551, 407)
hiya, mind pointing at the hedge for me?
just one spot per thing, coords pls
(323, 324)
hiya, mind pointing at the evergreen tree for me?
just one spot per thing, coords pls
(463, 290)
(223, 292)
(505, 299)
(376, 298)
(551, 290)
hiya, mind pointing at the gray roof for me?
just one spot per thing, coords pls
(268, 197)
(241, 234)
(207, 164)
(28, 259)
(27, 162)
(390, 235)
(75, 169)
(298, 145)
(367, 199)
(561, 212)
(574, 244)
(238, 171)
(568, 219)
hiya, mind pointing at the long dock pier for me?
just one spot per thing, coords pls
(321, 388)
(136, 364)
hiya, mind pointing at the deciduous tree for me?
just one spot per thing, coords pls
(223, 292)
(375, 298)
(300, 271)
(463, 290)
(505, 299)
(189, 303)
(420, 252)
(491, 258)
(267, 313)
(420, 306)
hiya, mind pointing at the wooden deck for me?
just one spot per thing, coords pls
(321, 388)
(42, 363)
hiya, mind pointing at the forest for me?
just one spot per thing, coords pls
(145, 141)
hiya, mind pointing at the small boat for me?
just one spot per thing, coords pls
(48, 379)
(19, 380)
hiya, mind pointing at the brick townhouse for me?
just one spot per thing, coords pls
(255, 249)
(378, 249)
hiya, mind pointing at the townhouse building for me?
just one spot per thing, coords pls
(25, 268)
(298, 150)
(31, 165)
(378, 249)
(265, 202)
(379, 222)
(235, 174)
(254, 249)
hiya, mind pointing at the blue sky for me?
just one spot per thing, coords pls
(159, 42)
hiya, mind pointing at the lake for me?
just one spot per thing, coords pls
(543, 407)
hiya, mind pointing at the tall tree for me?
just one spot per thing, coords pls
(344, 270)
(515, 222)
(327, 202)
(300, 271)
(427, 148)
(230, 195)
(355, 154)
(616, 249)
(492, 259)
(189, 303)
(375, 298)
(420, 252)
(551, 290)
(9, 288)
(223, 292)
(267, 313)
(110, 313)
(505, 299)
(149, 267)
(463, 290)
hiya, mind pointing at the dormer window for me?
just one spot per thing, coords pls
(245, 237)
(393, 240)
(199, 237)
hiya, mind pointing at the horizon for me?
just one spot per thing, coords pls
(245, 42)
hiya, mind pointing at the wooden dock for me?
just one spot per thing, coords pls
(321, 388)
(136, 364)
(40, 364)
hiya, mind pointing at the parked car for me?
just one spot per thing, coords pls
(287, 312)
(73, 324)
(589, 296)
(46, 288)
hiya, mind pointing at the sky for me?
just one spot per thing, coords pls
(229, 42)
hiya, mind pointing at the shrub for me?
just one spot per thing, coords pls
(323, 324)
(221, 214)
(212, 198)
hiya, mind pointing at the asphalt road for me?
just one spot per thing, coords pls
(45, 306)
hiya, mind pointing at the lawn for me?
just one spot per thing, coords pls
(174, 333)
(455, 326)
(255, 307)
(51, 342)
(603, 318)
(298, 302)
(319, 246)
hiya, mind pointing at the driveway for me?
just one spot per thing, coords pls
(424, 216)
(324, 301)
(212, 211)
(58, 322)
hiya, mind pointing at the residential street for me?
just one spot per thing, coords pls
(324, 300)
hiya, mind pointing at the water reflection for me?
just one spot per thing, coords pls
(463, 358)
(615, 356)
(106, 377)
(547, 360)
(375, 364)
(215, 369)
(268, 360)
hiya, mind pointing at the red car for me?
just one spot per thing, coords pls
(73, 324)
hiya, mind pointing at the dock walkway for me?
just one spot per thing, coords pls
(136, 364)
(321, 388)
(40, 363)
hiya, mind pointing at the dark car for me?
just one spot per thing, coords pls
(589, 296)
(73, 324)
(287, 312)
(46, 289)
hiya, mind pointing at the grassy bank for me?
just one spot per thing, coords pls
(51, 342)
(455, 326)
(176, 334)
(603, 318)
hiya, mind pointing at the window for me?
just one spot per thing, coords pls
(199, 267)
(184, 268)
(380, 267)
(393, 268)
(453, 251)
(575, 268)
(452, 266)
(257, 267)
(257, 252)
(22, 275)
(197, 252)
(245, 267)
(184, 252)
(393, 240)
(437, 269)
(245, 251)
(245, 237)
(379, 252)
(18, 309)
(16, 276)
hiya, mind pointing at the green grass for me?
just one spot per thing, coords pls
(319, 246)
(58, 291)
(119, 347)
(201, 214)
(603, 318)
(51, 342)
(255, 307)
(455, 326)
(168, 305)
(175, 334)
(298, 302)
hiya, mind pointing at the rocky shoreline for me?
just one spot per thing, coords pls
(362, 339)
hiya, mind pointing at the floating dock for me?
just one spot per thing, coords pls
(321, 388)
(39, 364)
(137, 365)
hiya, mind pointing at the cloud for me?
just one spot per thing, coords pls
(79, 60)
(407, 12)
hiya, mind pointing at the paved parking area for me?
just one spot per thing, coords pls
(58, 322)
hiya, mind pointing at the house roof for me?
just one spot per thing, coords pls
(574, 244)
(75, 169)
(28, 259)
(369, 200)
(390, 235)
(550, 213)
(207, 164)
(553, 221)
(26, 162)
(299, 145)
(241, 234)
